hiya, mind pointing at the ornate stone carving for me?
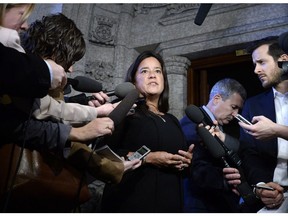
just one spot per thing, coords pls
(173, 9)
(102, 72)
(145, 8)
(102, 31)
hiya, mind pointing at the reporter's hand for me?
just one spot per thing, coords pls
(271, 199)
(59, 75)
(232, 177)
(262, 128)
(106, 109)
(101, 98)
(97, 127)
(215, 130)
(131, 165)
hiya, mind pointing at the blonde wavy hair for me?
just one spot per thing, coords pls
(5, 7)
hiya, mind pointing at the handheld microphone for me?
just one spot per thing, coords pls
(120, 112)
(122, 109)
(213, 147)
(84, 84)
(120, 91)
(218, 150)
(196, 115)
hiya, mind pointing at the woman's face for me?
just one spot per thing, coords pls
(149, 78)
(13, 18)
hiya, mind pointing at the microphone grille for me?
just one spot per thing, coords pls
(86, 84)
(194, 114)
(123, 89)
(120, 112)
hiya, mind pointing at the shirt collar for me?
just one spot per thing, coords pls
(278, 94)
(209, 113)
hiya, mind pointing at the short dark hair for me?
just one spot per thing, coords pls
(274, 48)
(55, 37)
(163, 104)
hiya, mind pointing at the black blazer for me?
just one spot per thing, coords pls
(259, 158)
(23, 75)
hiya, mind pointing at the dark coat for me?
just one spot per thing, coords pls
(148, 189)
(23, 75)
(259, 158)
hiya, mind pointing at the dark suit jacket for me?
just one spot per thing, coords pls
(206, 190)
(26, 76)
(259, 158)
(23, 75)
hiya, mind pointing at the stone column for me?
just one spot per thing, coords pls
(177, 67)
(123, 53)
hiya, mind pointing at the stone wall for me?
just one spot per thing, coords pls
(116, 33)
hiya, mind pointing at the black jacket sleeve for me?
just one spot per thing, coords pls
(41, 135)
(23, 75)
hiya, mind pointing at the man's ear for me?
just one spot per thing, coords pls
(216, 99)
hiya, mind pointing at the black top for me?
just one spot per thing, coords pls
(148, 189)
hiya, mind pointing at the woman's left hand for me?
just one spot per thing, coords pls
(186, 158)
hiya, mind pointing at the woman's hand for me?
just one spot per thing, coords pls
(165, 159)
(188, 155)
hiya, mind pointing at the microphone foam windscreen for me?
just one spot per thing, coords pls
(211, 143)
(123, 89)
(283, 42)
(120, 112)
(86, 84)
(194, 114)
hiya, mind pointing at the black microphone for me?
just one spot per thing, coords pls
(202, 13)
(120, 91)
(122, 109)
(213, 147)
(194, 114)
(84, 84)
(120, 112)
(218, 150)
(283, 41)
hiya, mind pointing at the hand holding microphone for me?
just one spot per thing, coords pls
(87, 85)
(219, 150)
